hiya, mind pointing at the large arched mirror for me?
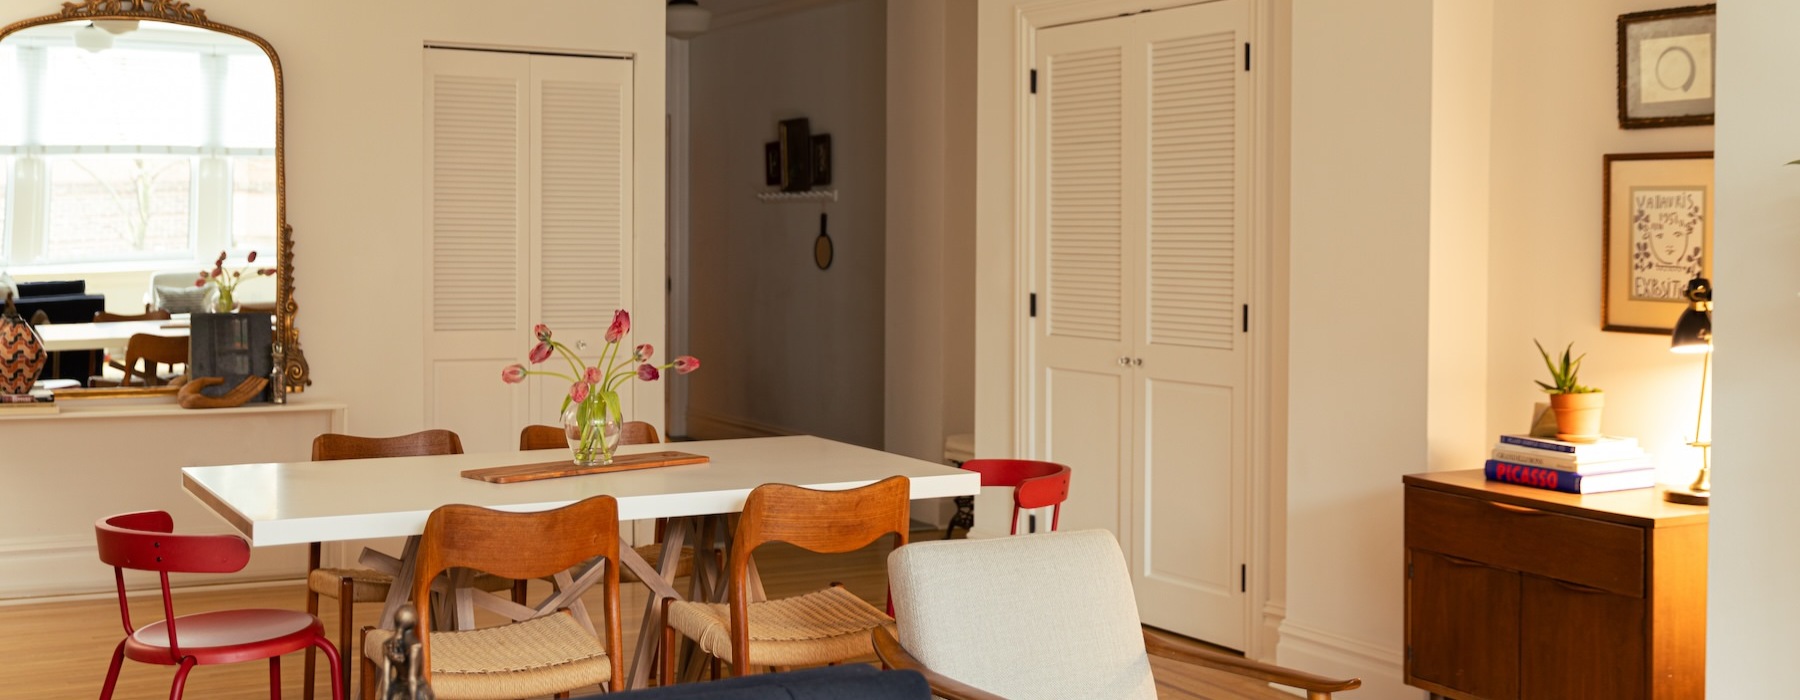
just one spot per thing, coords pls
(139, 137)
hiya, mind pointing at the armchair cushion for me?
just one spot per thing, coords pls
(1070, 628)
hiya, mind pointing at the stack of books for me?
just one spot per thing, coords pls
(22, 404)
(1610, 464)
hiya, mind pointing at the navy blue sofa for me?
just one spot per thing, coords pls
(848, 682)
(63, 302)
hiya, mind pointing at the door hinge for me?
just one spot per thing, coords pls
(1246, 55)
(1246, 318)
(1034, 81)
(1034, 304)
(1243, 578)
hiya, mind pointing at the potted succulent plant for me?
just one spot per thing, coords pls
(1577, 407)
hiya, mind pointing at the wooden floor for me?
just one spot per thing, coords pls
(65, 646)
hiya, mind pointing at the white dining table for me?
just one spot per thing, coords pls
(106, 334)
(301, 502)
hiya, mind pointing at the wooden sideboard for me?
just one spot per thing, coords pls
(1516, 592)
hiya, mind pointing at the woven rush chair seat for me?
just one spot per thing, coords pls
(819, 627)
(541, 656)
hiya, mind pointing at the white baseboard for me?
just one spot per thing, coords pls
(1328, 654)
(1273, 614)
(45, 567)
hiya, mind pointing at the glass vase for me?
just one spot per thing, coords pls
(222, 302)
(592, 432)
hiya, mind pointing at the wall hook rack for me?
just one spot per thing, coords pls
(806, 196)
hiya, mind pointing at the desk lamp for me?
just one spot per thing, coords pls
(1693, 334)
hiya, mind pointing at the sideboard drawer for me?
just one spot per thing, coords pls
(1565, 547)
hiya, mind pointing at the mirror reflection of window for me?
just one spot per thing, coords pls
(158, 148)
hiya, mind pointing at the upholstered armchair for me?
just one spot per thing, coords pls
(1041, 616)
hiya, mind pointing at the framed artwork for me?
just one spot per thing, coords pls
(1666, 67)
(1658, 234)
(795, 137)
(821, 159)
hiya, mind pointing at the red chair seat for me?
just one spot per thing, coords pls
(226, 636)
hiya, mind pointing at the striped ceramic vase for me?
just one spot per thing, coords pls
(22, 354)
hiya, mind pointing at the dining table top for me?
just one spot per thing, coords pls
(105, 334)
(296, 502)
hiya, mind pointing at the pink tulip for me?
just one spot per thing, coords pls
(579, 392)
(593, 375)
(512, 374)
(221, 260)
(251, 258)
(644, 352)
(540, 353)
(200, 282)
(621, 324)
(686, 364)
(648, 373)
(542, 332)
(266, 271)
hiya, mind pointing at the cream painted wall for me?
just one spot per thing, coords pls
(794, 349)
(1555, 116)
(1462, 48)
(1752, 609)
(1360, 234)
(354, 127)
(930, 256)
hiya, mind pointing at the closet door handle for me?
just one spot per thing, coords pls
(1124, 361)
(1139, 361)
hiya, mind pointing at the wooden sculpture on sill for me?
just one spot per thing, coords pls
(245, 390)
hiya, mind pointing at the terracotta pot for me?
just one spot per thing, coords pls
(1578, 416)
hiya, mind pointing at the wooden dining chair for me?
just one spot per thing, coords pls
(546, 651)
(144, 354)
(824, 626)
(358, 585)
(145, 541)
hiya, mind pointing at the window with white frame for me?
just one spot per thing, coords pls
(158, 148)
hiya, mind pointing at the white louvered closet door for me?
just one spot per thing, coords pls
(526, 213)
(1141, 261)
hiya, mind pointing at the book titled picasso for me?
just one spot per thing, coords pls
(1569, 482)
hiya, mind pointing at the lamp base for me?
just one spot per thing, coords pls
(1692, 498)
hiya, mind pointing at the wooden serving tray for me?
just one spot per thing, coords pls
(562, 468)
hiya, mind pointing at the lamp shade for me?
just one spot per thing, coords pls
(687, 19)
(93, 38)
(1693, 330)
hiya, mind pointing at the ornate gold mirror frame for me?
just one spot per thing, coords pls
(288, 355)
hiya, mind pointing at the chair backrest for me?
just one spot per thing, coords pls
(544, 437)
(1035, 484)
(145, 541)
(145, 351)
(523, 546)
(425, 442)
(1041, 616)
(148, 315)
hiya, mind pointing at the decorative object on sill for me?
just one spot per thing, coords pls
(590, 412)
(233, 347)
(1693, 335)
(795, 136)
(225, 282)
(191, 395)
(1666, 67)
(687, 19)
(1577, 407)
(822, 251)
(22, 354)
(1658, 234)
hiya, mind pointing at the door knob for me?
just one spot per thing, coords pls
(1124, 361)
(1139, 361)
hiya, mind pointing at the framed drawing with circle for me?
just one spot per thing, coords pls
(1666, 67)
(1658, 234)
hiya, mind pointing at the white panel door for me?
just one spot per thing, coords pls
(528, 221)
(1182, 143)
(477, 242)
(1082, 330)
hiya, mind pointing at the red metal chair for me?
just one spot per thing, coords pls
(143, 542)
(1035, 484)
